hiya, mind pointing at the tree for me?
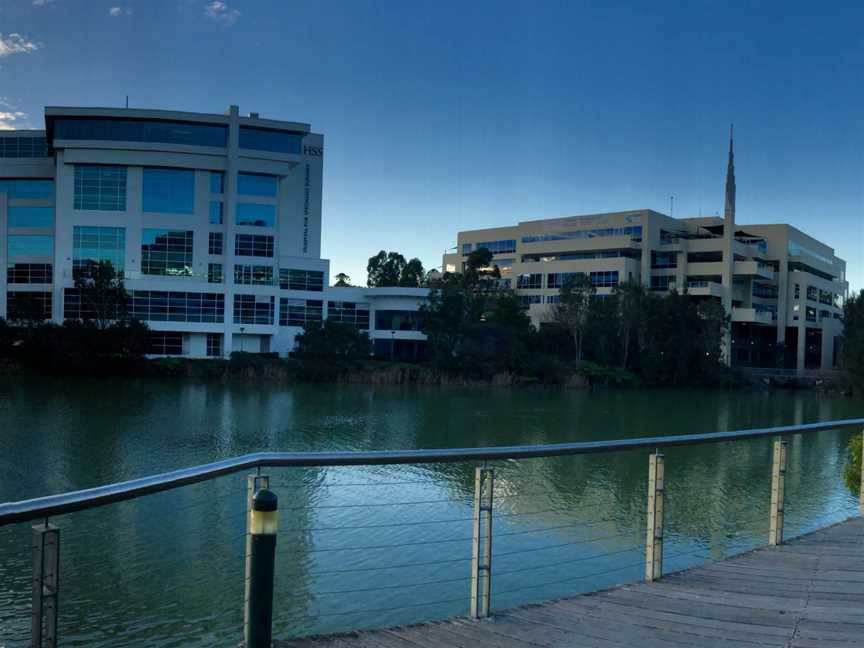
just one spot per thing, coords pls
(629, 297)
(389, 269)
(852, 342)
(385, 269)
(342, 280)
(326, 348)
(103, 296)
(571, 311)
(413, 275)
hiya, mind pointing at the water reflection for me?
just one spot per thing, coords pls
(363, 547)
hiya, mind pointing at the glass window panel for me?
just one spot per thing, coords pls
(30, 216)
(26, 146)
(217, 182)
(28, 189)
(100, 187)
(256, 184)
(28, 305)
(22, 245)
(166, 252)
(29, 273)
(132, 130)
(168, 191)
(256, 215)
(262, 139)
(216, 212)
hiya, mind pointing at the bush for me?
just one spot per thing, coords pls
(852, 471)
(325, 349)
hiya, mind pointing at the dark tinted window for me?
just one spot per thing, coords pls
(261, 139)
(130, 130)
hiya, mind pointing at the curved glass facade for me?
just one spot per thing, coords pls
(263, 139)
(135, 130)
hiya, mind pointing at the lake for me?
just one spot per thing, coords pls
(372, 546)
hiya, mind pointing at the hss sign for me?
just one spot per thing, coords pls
(314, 151)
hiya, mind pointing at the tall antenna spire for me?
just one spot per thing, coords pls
(729, 210)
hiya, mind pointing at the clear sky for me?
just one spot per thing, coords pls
(440, 116)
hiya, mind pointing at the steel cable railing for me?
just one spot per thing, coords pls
(354, 543)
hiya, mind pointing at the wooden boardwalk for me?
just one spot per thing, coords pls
(807, 593)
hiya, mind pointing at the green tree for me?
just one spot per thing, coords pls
(342, 280)
(413, 275)
(328, 347)
(103, 296)
(852, 342)
(571, 312)
(385, 269)
(629, 297)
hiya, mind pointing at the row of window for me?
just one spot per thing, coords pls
(172, 191)
(589, 233)
(495, 247)
(31, 217)
(28, 306)
(27, 189)
(24, 146)
(259, 245)
(299, 312)
(629, 253)
(602, 279)
(175, 132)
(29, 273)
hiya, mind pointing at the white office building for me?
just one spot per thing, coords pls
(214, 221)
(779, 285)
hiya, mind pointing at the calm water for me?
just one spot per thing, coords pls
(364, 547)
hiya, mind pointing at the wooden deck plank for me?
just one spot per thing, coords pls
(808, 592)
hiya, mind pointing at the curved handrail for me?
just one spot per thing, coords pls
(51, 505)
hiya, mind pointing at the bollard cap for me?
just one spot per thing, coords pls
(264, 500)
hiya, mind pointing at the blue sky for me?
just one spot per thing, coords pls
(440, 116)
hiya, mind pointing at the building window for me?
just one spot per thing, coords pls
(140, 130)
(604, 279)
(634, 232)
(262, 139)
(40, 217)
(164, 343)
(764, 291)
(214, 345)
(299, 312)
(217, 182)
(216, 211)
(553, 299)
(21, 245)
(75, 307)
(253, 309)
(812, 293)
(168, 191)
(466, 248)
(397, 320)
(257, 184)
(29, 273)
(356, 314)
(811, 314)
(90, 245)
(312, 280)
(557, 279)
(23, 147)
(28, 189)
(664, 259)
(498, 247)
(165, 306)
(526, 300)
(100, 187)
(166, 252)
(253, 245)
(256, 215)
(528, 281)
(663, 282)
(214, 273)
(704, 257)
(253, 274)
(25, 306)
(214, 244)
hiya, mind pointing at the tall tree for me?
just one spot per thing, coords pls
(103, 296)
(342, 280)
(413, 275)
(629, 297)
(385, 269)
(852, 342)
(571, 311)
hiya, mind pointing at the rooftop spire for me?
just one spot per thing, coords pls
(729, 210)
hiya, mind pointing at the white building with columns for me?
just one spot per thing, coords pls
(213, 219)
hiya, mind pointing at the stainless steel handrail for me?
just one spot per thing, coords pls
(51, 505)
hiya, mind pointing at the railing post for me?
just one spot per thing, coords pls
(778, 479)
(46, 582)
(481, 547)
(861, 491)
(654, 532)
(262, 563)
(254, 483)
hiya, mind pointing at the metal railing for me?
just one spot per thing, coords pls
(599, 537)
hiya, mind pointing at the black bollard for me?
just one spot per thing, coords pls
(259, 610)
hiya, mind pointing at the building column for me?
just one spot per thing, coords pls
(827, 356)
(229, 205)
